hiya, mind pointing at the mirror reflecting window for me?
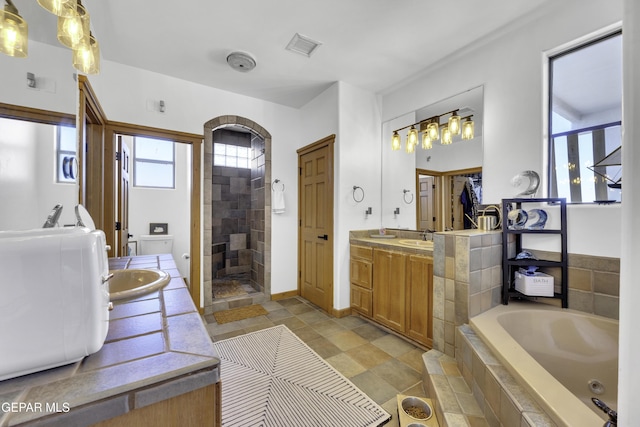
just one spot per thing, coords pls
(585, 122)
(67, 167)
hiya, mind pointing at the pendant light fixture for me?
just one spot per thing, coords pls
(395, 141)
(426, 141)
(454, 123)
(467, 129)
(14, 32)
(59, 7)
(434, 129)
(86, 58)
(73, 30)
(412, 140)
(447, 138)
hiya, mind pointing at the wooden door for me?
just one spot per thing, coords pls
(123, 164)
(426, 212)
(315, 210)
(389, 282)
(419, 306)
(457, 211)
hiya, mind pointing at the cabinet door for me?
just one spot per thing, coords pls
(389, 281)
(361, 300)
(419, 306)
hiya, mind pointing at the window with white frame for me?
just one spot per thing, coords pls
(153, 163)
(66, 154)
(231, 155)
(585, 118)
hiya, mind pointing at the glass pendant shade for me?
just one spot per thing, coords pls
(434, 131)
(412, 136)
(395, 141)
(410, 148)
(74, 30)
(86, 58)
(14, 32)
(447, 138)
(426, 141)
(59, 7)
(454, 124)
(467, 129)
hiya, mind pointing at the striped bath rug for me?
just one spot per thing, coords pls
(271, 378)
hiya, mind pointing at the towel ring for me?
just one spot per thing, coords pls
(275, 182)
(355, 188)
(404, 196)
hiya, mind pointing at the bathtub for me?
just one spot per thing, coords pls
(562, 357)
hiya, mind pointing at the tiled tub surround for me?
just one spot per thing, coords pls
(555, 354)
(157, 354)
(467, 280)
(475, 390)
(594, 282)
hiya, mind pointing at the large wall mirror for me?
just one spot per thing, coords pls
(421, 190)
(38, 167)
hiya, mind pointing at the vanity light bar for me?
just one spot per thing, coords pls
(430, 129)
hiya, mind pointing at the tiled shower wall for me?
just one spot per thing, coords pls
(256, 129)
(257, 215)
(231, 210)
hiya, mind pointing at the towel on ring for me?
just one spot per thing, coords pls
(277, 204)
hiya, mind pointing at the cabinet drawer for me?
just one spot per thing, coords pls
(363, 252)
(361, 300)
(361, 273)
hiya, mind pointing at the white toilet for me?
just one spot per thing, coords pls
(152, 244)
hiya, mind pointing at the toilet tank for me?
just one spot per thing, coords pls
(151, 244)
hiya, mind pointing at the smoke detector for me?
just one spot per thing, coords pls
(241, 61)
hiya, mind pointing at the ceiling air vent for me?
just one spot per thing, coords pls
(302, 45)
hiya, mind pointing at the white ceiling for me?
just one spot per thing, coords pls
(371, 44)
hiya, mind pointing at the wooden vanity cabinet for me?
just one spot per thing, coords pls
(419, 299)
(361, 278)
(394, 289)
(389, 278)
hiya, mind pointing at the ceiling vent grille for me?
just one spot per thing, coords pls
(303, 45)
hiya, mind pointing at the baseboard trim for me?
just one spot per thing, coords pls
(341, 313)
(284, 295)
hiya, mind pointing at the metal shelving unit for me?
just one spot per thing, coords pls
(510, 265)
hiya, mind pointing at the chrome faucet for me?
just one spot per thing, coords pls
(613, 415)
(425, 232)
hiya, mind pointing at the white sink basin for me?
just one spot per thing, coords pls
(425, 244)
(133, 283)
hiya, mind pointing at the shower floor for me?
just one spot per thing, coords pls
(232, 285)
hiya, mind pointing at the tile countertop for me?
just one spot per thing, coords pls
(157, 348)
(363, 237)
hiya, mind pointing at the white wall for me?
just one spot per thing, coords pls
(357, 163)
(510, 67)
(28, 187)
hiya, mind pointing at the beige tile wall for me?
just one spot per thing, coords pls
(467, 280)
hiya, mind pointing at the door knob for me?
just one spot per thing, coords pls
(324, 236)
(129, 235)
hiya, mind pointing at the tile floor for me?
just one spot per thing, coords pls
(379, 363)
